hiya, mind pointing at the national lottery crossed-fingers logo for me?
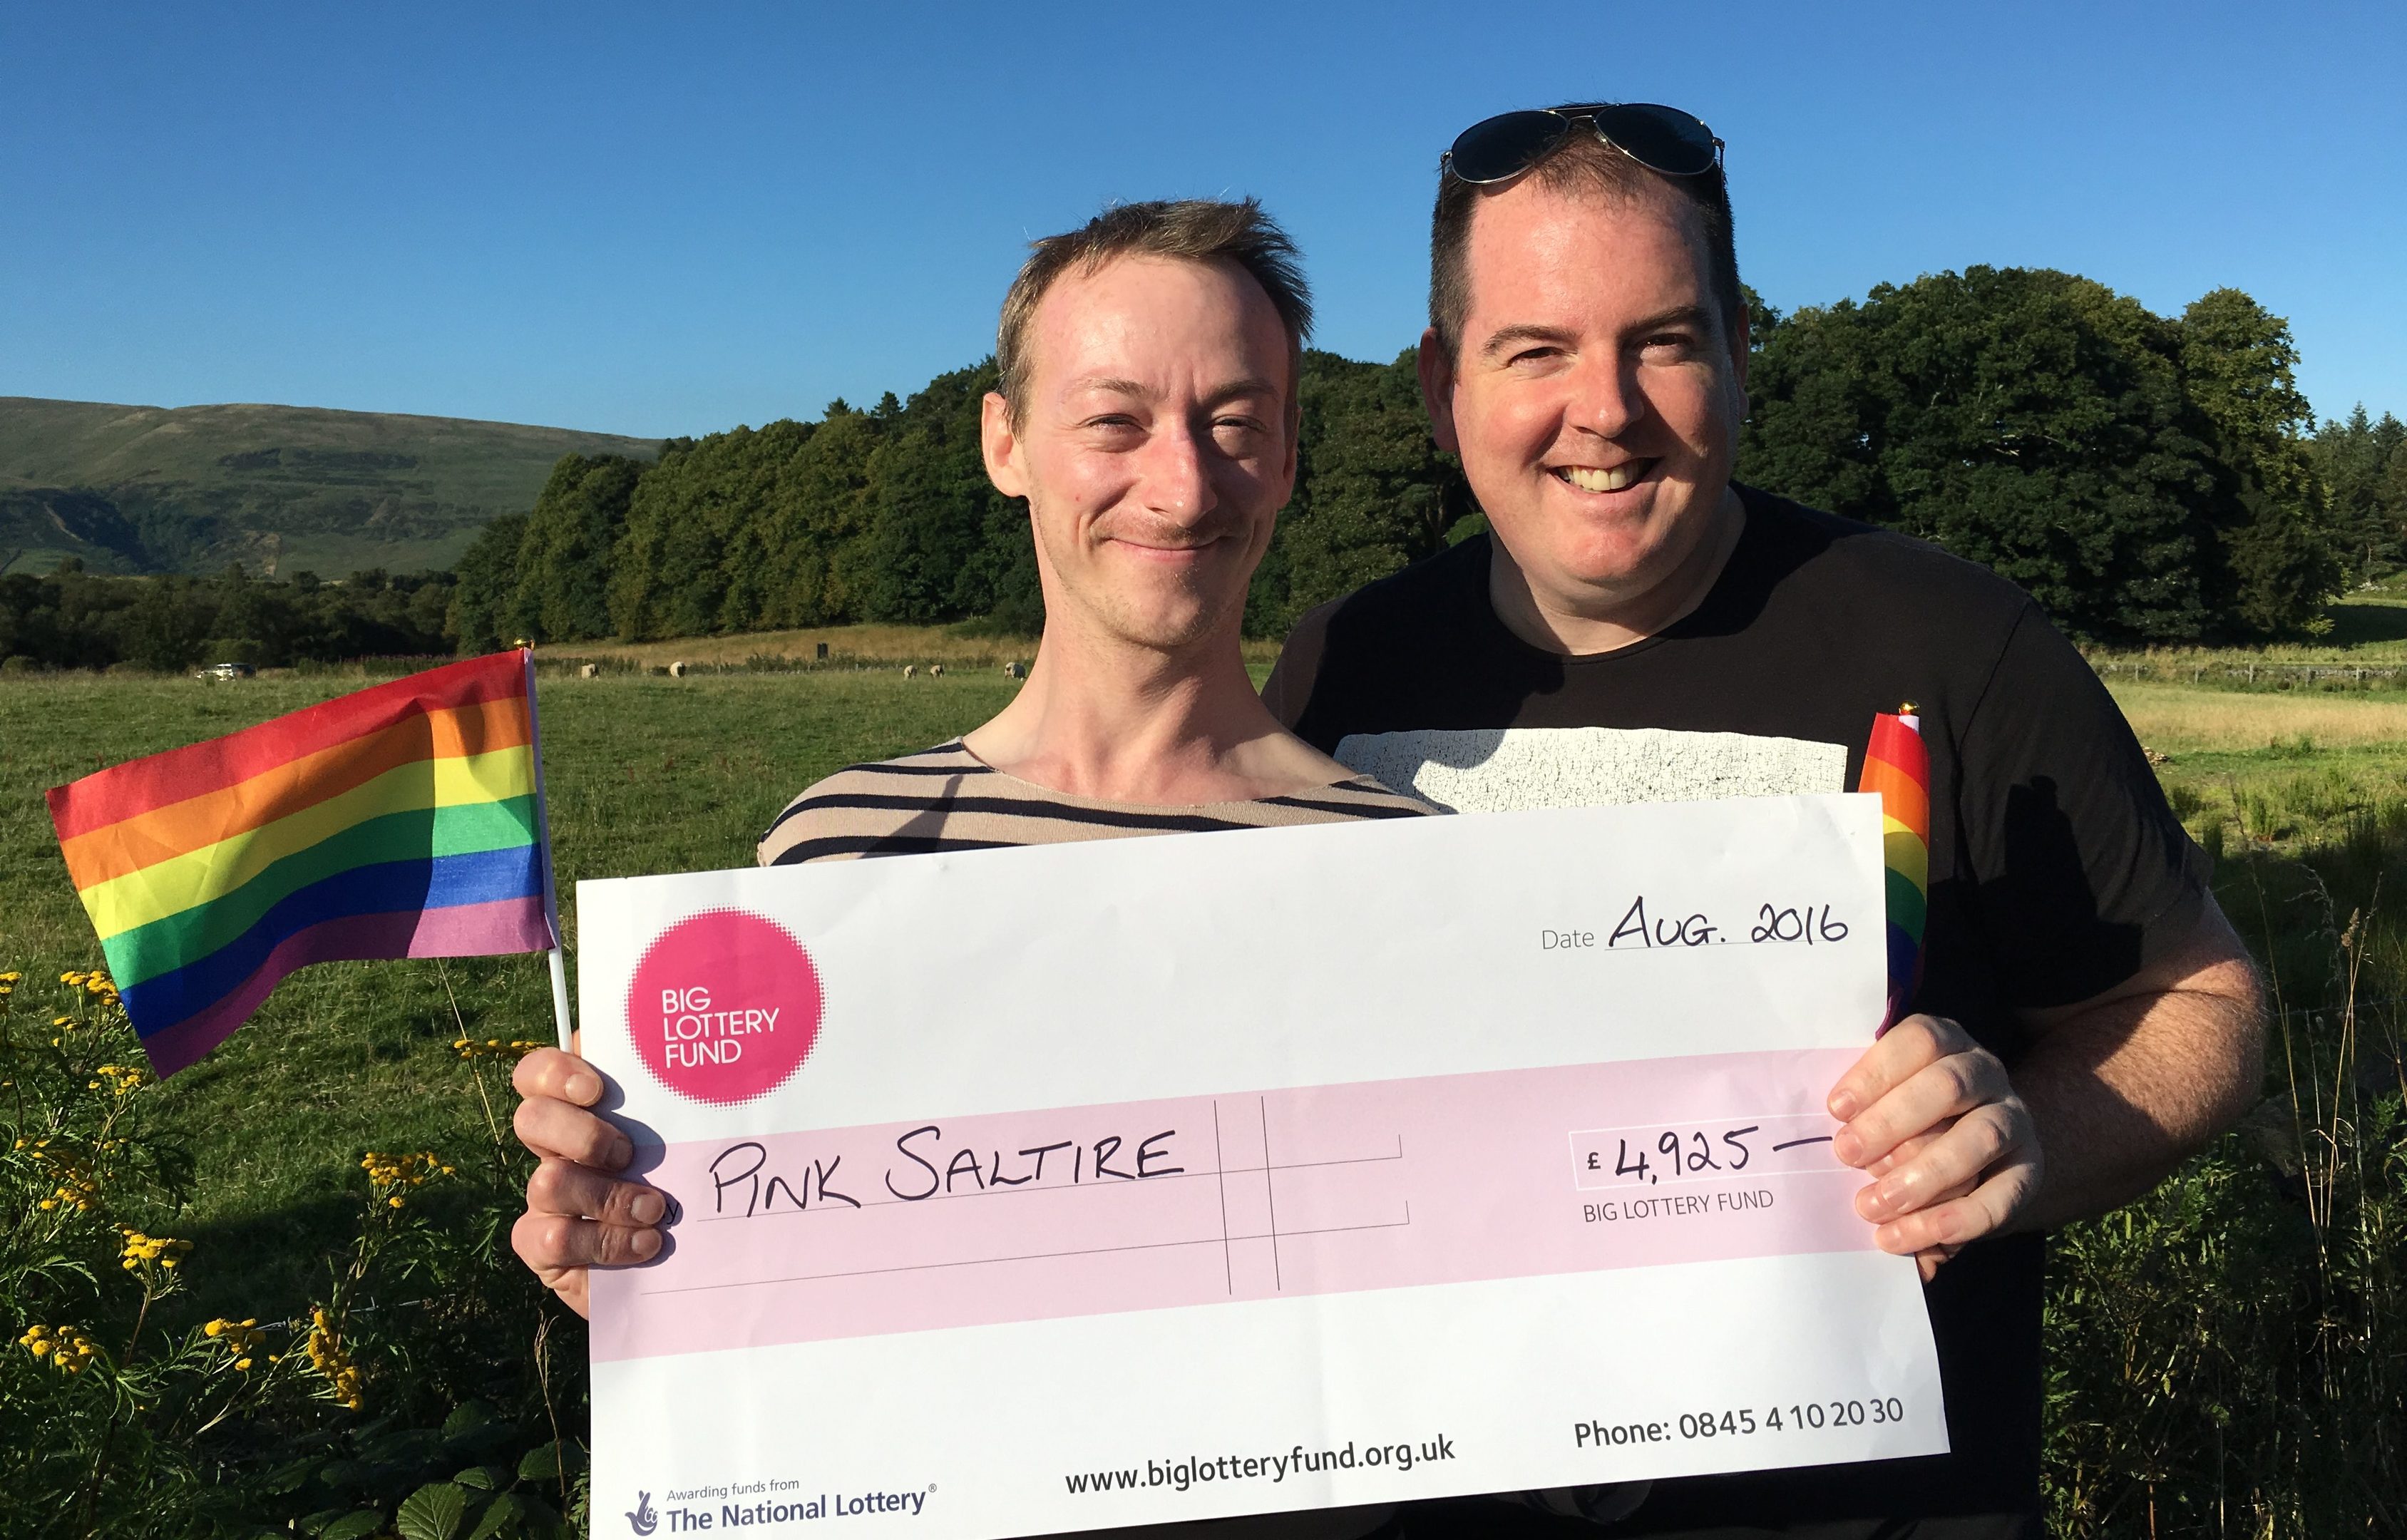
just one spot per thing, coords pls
(725, 1006)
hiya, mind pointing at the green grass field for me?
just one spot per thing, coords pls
(2225, 1354)
(644, 775)
(656, 775)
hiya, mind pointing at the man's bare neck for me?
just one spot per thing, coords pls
(1101, 718)
(1606, 621)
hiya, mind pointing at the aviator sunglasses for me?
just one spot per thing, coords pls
(1660, 138)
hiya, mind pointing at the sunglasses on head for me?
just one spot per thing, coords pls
(1660, 138)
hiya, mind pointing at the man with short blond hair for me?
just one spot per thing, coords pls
(1199, 230)
(1148, 417)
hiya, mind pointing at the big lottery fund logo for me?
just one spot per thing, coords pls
(724, 1006)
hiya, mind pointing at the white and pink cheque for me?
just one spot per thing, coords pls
(1063, 1188)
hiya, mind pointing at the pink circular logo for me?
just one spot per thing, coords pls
(724, 1008)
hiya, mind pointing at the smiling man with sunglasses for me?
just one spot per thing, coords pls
(1635, 626)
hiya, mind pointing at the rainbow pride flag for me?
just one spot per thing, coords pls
(403, 820)
(1897, 765)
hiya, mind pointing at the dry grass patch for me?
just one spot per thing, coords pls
(2175, 720)
(849, 644)
(853, 644)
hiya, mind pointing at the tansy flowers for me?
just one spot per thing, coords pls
(240, 1338)
(494, 1048)
(65, 1348)
(142, 1251)
(390, 1175)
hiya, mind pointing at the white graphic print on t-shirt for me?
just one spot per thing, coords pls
(1502, 770)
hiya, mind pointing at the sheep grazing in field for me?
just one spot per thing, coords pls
(676, 670)
(591, 671)
(1015, 670)
(910, 671)
(935, 669)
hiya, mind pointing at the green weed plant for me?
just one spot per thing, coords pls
(2227, 1356)
(415, 1396)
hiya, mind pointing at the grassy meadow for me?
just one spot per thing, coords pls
(2226, 1354)
(849, 647)
(644, 775)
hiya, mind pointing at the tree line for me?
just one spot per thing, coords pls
(75, 619)
(887, 515)
(2148, 479)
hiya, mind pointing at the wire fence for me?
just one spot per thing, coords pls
(2251, 673)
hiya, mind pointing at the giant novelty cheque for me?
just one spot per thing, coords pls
(1077, 1186)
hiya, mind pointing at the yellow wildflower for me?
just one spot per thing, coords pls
(327, 1356)
(391, 1175)
(75, 1189)
(165, 1250)
(120, 1080)
(494, 1048)
(67, 1350)
(240, 1338)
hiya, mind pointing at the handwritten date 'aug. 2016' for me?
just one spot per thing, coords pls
(1642, 929)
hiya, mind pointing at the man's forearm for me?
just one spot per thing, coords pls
(2124, 1089)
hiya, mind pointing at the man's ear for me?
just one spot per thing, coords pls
(999, 441)
(1435, 366)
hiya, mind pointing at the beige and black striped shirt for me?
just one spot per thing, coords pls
(947, 799)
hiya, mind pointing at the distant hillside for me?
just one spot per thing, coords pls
(279, 489)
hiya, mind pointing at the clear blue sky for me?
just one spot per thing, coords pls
(673, 218)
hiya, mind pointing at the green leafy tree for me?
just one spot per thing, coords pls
(1373, 495)
(815, 533)
(483, 604)
(165, 627)
(562, 593)
(670, 572)
(2239, 367)
(931, 499)
(2145, 477)
(2031, 420)
(2362, 464)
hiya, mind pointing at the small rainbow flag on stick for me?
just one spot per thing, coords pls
(1897, 765)
(403, 820)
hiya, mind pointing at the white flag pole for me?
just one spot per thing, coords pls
(558, 955)
(560, 993)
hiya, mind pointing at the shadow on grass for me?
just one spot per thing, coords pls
(276, 1263)
(2363, 622)
(271, 1265)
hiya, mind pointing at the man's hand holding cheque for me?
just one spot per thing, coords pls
(580, 1213)
(1932, 1117)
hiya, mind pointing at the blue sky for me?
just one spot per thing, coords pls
(674, 219)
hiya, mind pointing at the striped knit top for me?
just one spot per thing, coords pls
(947, 799)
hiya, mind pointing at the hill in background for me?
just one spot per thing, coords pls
(288, 489)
